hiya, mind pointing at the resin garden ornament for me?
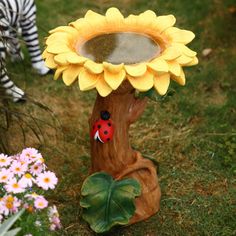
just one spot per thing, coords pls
(119, 57)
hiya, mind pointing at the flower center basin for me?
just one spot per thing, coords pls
(122, 47)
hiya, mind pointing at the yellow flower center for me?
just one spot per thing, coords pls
(46, 180)
(42, 160)
(10, 198)
(41, 204)
(4, 177)
(15, 185)
(9, 205)
(2, 160)
(34, 194)
(17, 169)
(28, 176)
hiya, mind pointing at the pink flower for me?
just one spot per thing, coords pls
(14, 186)
(27, 180)
(54, 219)
(5, 160)
(40, 203)
(5, 175)
(36, 169)
(30, 155)
(47, 180)
(18, 168)
(9, 204)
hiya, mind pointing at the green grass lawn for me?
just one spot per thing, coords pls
(192, 134)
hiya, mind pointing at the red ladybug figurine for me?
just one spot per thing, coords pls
(103, 129)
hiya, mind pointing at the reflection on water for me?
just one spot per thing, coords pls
(116, 48)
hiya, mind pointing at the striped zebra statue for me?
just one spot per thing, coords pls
(18, 16)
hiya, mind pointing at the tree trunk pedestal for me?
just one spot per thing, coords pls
(117, 158)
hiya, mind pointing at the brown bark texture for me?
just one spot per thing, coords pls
(117, 158)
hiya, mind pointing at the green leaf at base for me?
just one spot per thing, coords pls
(108, 202)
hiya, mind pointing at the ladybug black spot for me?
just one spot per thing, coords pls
(109, 124)
(99, 126)
(108, 139)
(105, 132)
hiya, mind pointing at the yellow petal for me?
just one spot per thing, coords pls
(102, 87)
(193, 62)
(142, 83)
(45, 54)
(159, 65)
(67, 29)
(81, 24)
(114, 18)
(50, 63)
(131, 22)
(59, 71)
(97, 22)
(164, 22)
(170, 53)
(184, 49)
(61, 59)
(93, 67)
(114, 79)
(71, 74)
(161, 83)
(58, 48)
(93, 15)
(147, 18)
(74, 58)
(136, 70)
(113, 14)
(179, 79)
(113, 68)
(174, 68)
(60, 37)
(180, 36)
(183, 60)
(87, 80)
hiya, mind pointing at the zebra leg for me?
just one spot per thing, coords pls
(15, 47)
(30, 35)
(10, 88)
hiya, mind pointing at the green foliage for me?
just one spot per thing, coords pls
(7, 224)
(107, 202)
(154, 96)
(226, 150)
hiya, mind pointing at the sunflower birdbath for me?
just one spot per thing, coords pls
(119, 56)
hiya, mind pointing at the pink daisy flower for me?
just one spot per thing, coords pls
(18, 168)
(36, 169)
(5, 160)
(5, 175)
(30, 155)
(47, 180)
(27, 180)
(10, 204)
(40, 203)
(14, 186)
